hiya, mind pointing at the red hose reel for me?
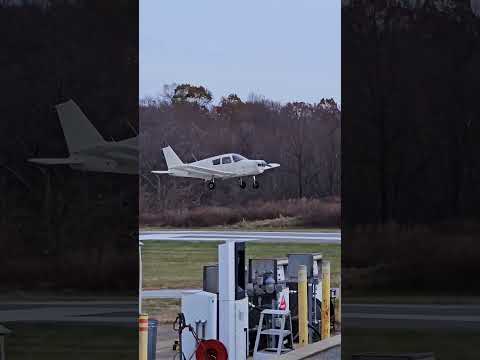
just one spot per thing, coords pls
(211, 350)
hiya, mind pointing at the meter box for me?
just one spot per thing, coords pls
(200, 310)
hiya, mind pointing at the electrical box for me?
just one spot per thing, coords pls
(200, 310)
(294, 261)
(210, 278)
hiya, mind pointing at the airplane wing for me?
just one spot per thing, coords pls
(119, 155)
(271, 166)
(55, 161)
(202, 171)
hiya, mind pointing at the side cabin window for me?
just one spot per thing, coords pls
(236, 158)
(226, 160)
(216, 161)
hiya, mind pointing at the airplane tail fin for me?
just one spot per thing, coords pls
(78, 130)
(171, 158)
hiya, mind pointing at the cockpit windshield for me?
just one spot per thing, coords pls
(237, 158)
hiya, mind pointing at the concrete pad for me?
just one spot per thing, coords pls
(328, 349)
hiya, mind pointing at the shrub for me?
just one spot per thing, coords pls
(309, 212)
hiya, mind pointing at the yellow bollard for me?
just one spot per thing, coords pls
(302, 306)
(325, 330)
(142, 336)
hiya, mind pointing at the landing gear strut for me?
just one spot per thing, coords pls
(255, 184)
(211, 184)
(242, 184)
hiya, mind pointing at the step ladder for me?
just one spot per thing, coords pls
(276, 335)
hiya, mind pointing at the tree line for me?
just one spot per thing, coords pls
(304, 138)
(411, 113)
(410, 183)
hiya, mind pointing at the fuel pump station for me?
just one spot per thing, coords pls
(228, 309)
(220, 311)
(273, 284)
(265, 290)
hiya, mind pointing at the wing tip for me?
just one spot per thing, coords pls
(54, 161)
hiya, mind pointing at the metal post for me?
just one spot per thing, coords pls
(140, 277)
(142, 337)
(338, 308)
(325, 330)
(152, 339)
(302, 306)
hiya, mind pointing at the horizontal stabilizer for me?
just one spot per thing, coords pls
(55, 161)
(161, 172)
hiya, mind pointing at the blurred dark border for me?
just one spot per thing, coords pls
(68, 238)
(410, 174)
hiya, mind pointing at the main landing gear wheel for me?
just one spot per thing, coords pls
(255, 184)
(211, 185)
(242, 184)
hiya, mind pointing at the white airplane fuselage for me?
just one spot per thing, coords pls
(225, 166)
(245, 167)
(111, 157)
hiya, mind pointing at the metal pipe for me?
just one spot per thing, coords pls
(140, 277)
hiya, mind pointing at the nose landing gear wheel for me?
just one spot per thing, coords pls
(242, 184)
(211, 185)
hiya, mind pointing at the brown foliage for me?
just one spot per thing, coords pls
(303, 138)
(418, 258)
(310, 212)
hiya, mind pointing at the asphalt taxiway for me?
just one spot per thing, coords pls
(384, 316)
(99, 312)
(333, 237)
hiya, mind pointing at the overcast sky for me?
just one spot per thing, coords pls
(283, 50)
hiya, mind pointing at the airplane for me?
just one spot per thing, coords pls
(89, 151)
(225, 166)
